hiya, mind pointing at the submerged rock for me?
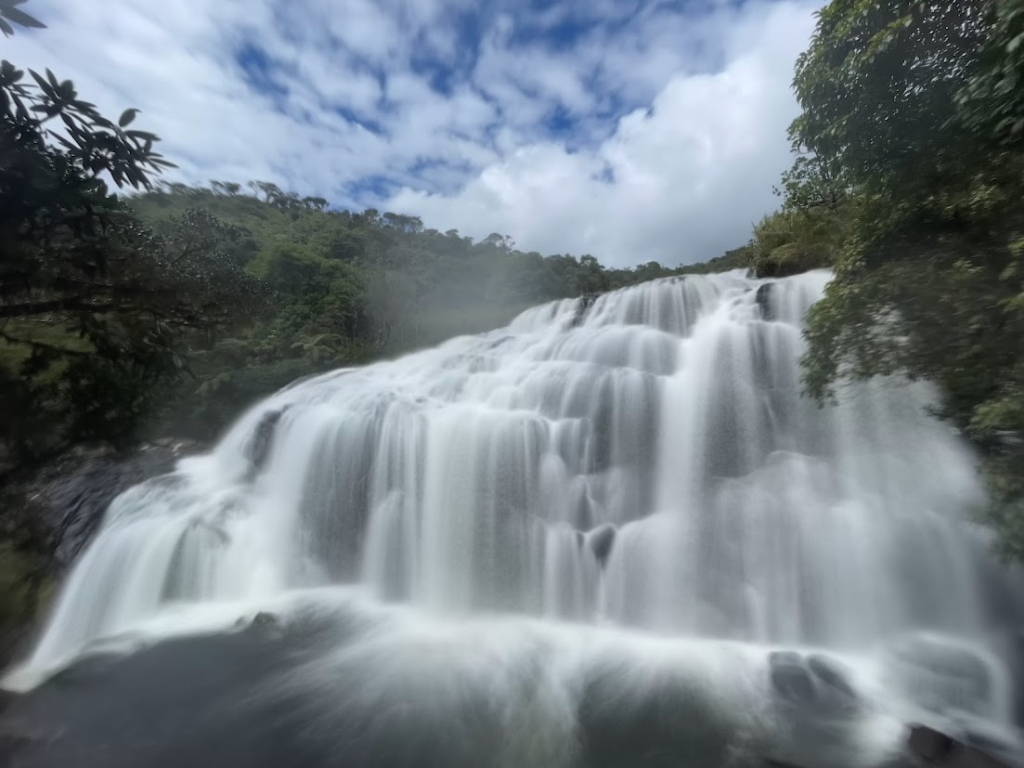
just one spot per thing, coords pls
(661, 723)
(982, 735)
(264, 701)
(960, 746)
(790, 679)
(817, 684)
(266, 624)
(833, 675)
(763, 297)
(183, 702)
(585, 302)
(601, 541)
(941, 676)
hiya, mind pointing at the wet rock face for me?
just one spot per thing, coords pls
(68, 496)
(258, 450)
(78, 501)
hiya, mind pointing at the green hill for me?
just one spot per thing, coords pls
(349, 287)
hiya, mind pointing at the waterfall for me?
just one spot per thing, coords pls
(642, 464)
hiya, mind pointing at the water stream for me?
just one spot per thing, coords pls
(603, 503)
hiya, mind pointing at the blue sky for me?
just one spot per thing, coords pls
(635, 130)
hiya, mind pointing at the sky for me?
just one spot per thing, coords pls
(632, 130)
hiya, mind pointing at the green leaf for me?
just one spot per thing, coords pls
(127, 117)
(45, 86)
(6, 28)
(144, 135)
(22, 18)
(67, 144)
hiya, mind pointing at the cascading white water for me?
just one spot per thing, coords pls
(644, 461)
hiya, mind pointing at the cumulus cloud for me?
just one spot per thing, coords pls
(631, 130)
(677, 182)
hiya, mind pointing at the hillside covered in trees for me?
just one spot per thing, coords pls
(276, 288)
(345, 288)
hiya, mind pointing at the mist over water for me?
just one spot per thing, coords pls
(608, 499)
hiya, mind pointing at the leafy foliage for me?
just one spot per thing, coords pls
(10, 14)
(94, 308)
(992, 102)
(914, 107)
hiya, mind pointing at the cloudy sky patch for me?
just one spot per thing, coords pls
(634, 130)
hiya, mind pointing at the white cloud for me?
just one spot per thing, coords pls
(687, 177)
(340, 100)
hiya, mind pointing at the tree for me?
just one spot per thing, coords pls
(406, 224)
(877, 86)
(931, 195)
(94, 309)
(499, 242)
(992, 103)
(590, 278)
(812, 183)
(908, 104)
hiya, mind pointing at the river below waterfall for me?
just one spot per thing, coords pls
(611, 534)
